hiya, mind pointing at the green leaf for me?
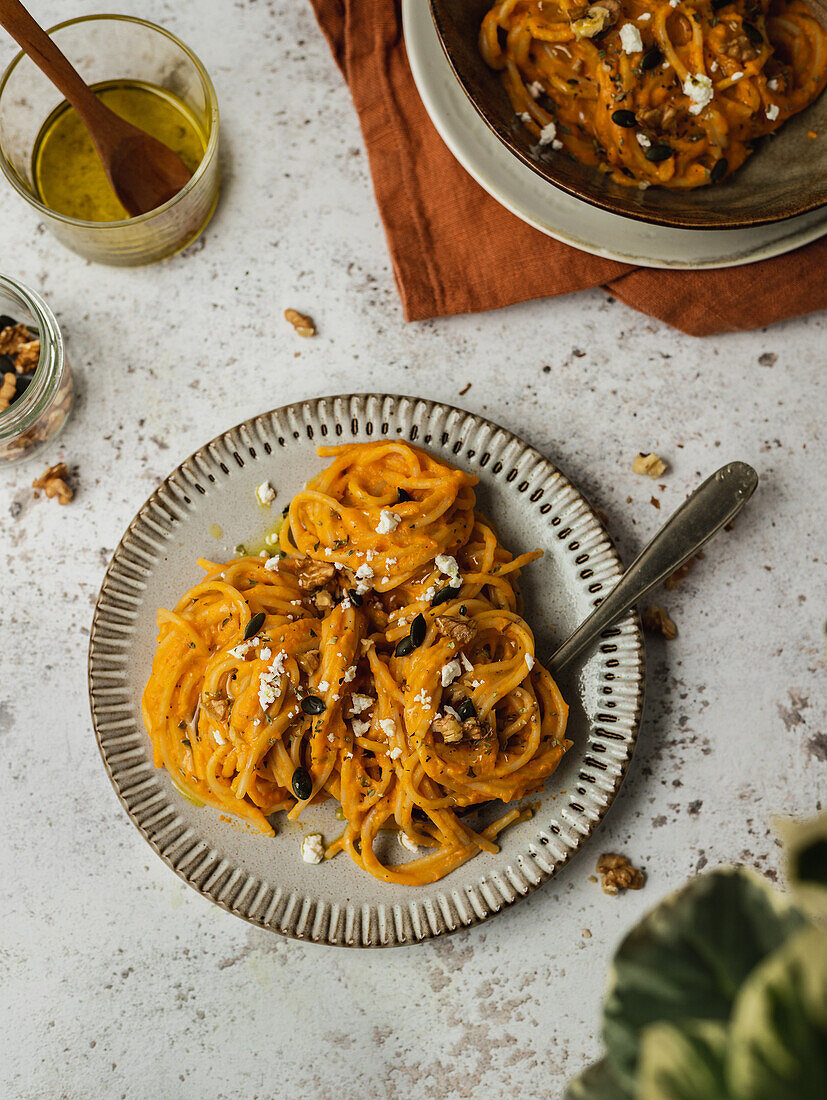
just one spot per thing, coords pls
(683, 1063)
(687, 959)
(779, 1026)
(805, 843)
(598, 1082)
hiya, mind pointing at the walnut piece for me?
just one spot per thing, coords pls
(650, 465)
(598, 17)
(7, 390)
(218, 706)
(14, 337)
(27, 357)
(301, 322)
(314, 574)
(658, 118)
(457, 628)
(449, 727)
(740, 48)
(618, 874)
(54, 483)
(322, 600)
(308, 662)
(675, 578)
(656, 621)
(474, 729)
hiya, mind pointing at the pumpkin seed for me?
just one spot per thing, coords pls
(466, 710)
(658, 153)
(312, 704)
(443, 596)
(253, 626)
(753, 34)
(719, 170)
(651, 58)
(419, 629)
(626, 119)
(403, 496)
(354, 597)
(302, 784)
(404, 647)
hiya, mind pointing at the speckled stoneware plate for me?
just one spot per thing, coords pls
(560, 215)
(264, 879)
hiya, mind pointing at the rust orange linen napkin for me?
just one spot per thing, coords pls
(456, 250)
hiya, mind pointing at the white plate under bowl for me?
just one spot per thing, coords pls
(263, 879)
(559, 215)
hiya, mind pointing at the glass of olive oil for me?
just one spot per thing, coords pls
(150, 78)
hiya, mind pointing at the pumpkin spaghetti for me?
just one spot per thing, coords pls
(381, 659)
(671, 93)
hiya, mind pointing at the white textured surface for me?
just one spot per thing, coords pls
(120, 981)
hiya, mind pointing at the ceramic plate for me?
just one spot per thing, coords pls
(264, 879)
(518, 187)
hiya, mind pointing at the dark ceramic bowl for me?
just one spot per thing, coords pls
(785, 176)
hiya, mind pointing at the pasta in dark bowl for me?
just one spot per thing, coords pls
(696, 114)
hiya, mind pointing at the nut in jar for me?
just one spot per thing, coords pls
(35, 379)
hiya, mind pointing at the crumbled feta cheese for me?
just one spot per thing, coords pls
(369, 555)
(449, 568)
(350, 674)
(548, 134)
(556, 144)
(423, 698)
(388, 727)
(450, 672)
(364, 575)
(328, 552)
(266, 493)
(698, 87)
(346, 602)
(313, 848)
(272, 564)
(772, 112)
(265, 654)
(735, 77)
(395, 753)
(647, 15)
(272, 539)
(390, 563)
(218, 737)
(239, 651)
(630, 38)
(466, 664)
(388, 521)
(360, 727)
(268, 680)
(406, 842)
(674, 3)
(360, 702)
(525, 116)
(323, 685)
(643, 141)
(529, 660)
(642, 185)
(429, 593)
(773, 84)
(535, 89)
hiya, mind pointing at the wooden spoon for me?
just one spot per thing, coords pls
(144, 172)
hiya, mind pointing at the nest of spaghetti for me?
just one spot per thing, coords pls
(380, 659)
(666, 93)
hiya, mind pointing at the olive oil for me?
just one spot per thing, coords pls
(68, 175)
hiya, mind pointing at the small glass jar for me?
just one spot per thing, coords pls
(105, 48)
(36, 417)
